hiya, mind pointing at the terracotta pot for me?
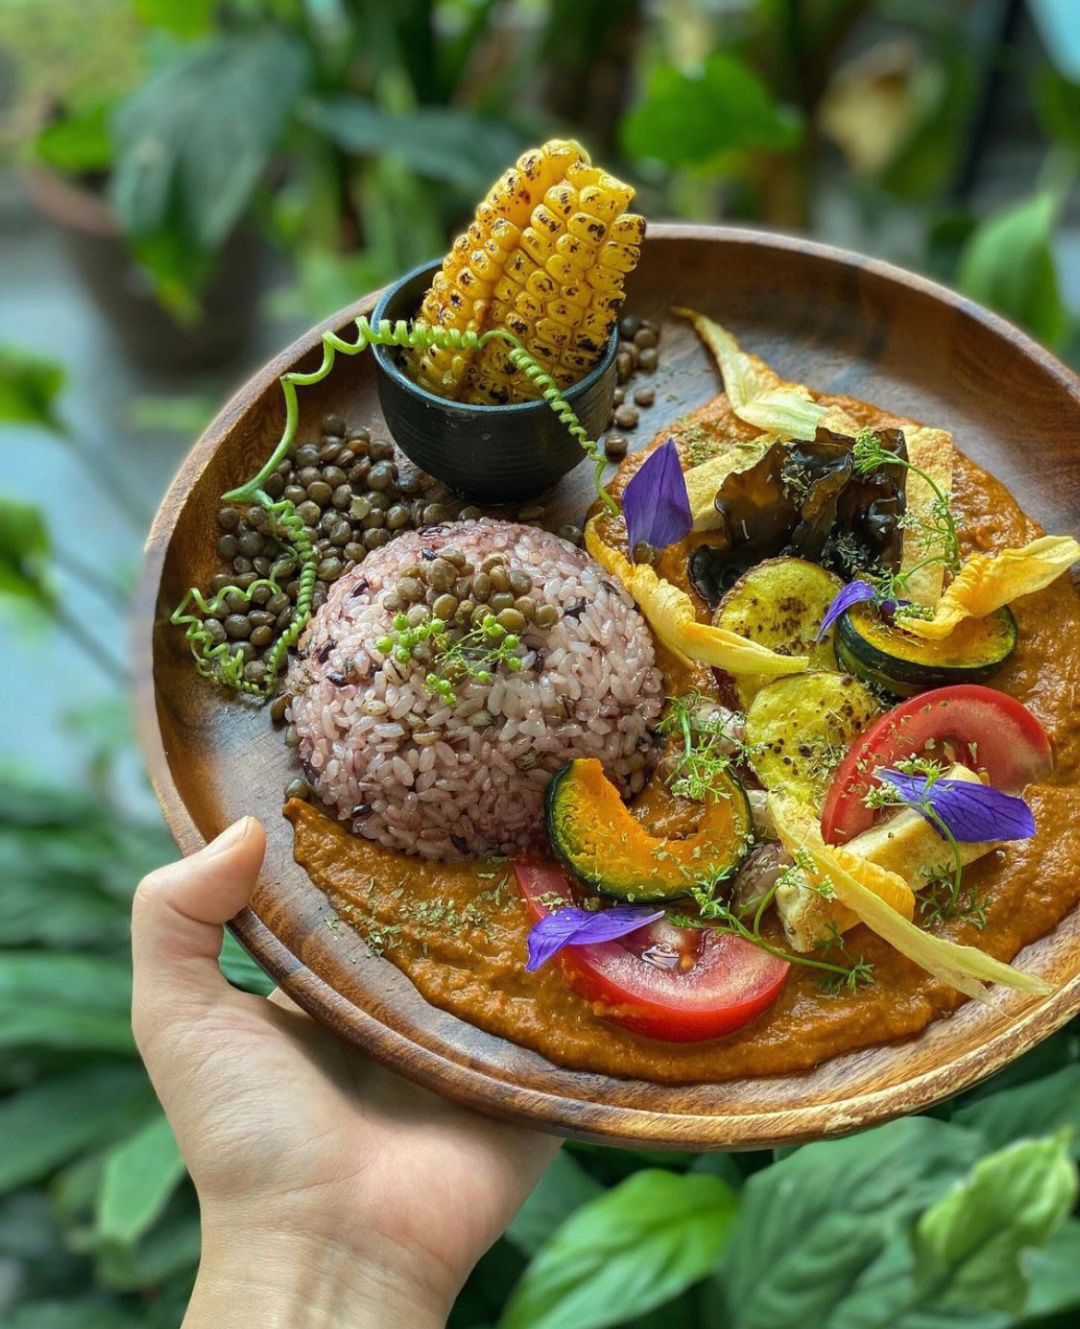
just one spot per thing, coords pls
(99, 254)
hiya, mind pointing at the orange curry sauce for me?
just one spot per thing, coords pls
(458, 930)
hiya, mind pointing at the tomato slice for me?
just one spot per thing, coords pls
(678, 984)
(980, 727)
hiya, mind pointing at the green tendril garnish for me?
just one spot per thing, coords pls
(938, 537)
(224, 661)
(719, 914)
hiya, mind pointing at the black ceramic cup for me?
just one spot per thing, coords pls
(490, 455)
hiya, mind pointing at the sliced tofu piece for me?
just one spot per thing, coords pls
(933, 452)
(905, 844)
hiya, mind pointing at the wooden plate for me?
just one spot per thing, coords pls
(821, 316)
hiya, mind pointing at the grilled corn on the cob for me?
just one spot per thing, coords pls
(545, 257)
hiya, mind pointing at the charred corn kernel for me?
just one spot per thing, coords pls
(564, 272)
(589, 229)
(542, 285)
(517, 325)
(505, 290)
(520, 263)
(595, 323)
(627, 229)
(577, 363)
(542, 167)
(561, 200)
(491, 389)
(484, 266)
(546, 222)
(511, 198)
(581, 174)
(538, 246)
(580, 295)
(569, 246)
(622, 258)
(555, 335)
(528, 306)
(562, 311)
(504, 234)
(498, 362)
(543, 258)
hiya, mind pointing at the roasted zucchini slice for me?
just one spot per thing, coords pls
(780, 604)
(870, 647)
(608, 850)
(799, 728)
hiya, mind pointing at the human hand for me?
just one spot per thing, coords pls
(332, 1192)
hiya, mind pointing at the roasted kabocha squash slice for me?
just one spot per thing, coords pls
(608, 851)
(873, 649)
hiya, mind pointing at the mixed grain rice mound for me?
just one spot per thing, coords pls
(450, 779)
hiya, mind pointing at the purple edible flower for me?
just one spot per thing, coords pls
(582, 927)
(972, 812)
(852, 594)
(655, 502)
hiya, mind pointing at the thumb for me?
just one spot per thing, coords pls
(176, 926)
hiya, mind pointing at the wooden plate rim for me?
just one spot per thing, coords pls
(469, 1085)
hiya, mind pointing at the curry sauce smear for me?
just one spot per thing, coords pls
(458, 930)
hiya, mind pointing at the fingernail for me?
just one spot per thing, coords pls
(228, 839)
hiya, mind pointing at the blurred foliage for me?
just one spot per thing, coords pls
(357, 135)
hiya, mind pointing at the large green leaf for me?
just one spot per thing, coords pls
(24, 550)
(49, 1123)
(95, 1310)
(29, 387)
(1009, 265)
(813, 1223)
(141, 1174)
(563, 1188)
(170, 1248)
(690, 118)
(57, 913)
(453, 146)
(1054, 1272)
(633, 1248)
(1057, 101)
(241, 970)
(62, 1000)
(968, 1244)
(185, 18)
(1040, 1107)
(77, 143)
(195, 138)
(32, 799)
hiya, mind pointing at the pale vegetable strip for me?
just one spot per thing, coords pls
(962, 967)
(932, 451)
(703, 481)
(988, 581)
(671, 616)
(757, 393)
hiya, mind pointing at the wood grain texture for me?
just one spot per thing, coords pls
(820, 316)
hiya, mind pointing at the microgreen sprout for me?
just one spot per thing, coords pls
(938, 537)
(224, 661)
(711, 744)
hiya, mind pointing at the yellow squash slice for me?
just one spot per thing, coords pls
(858, 885)
(986, 582)
(671, 616)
